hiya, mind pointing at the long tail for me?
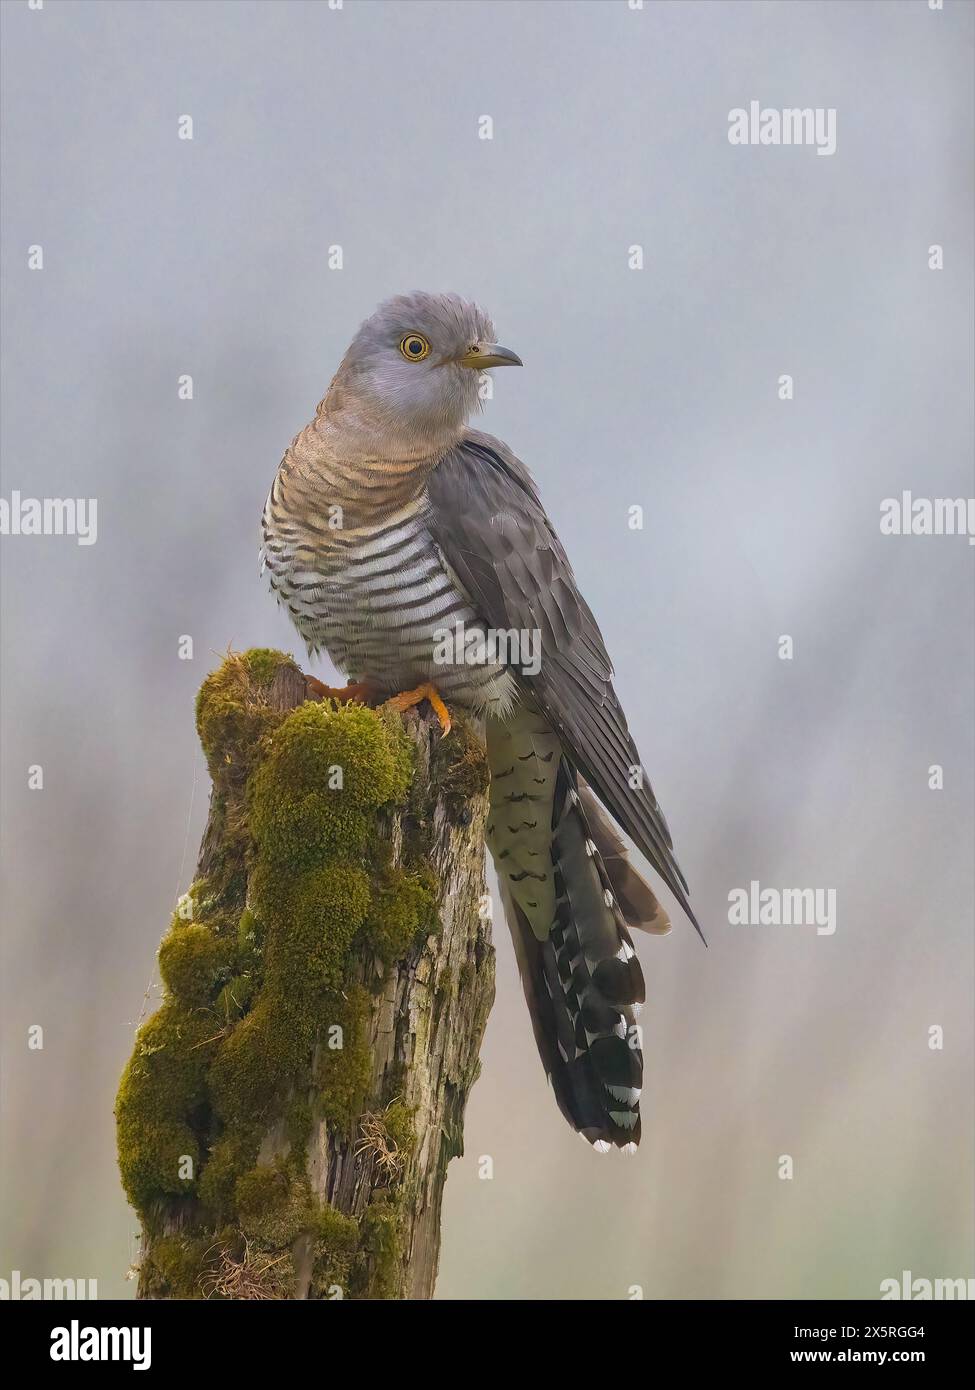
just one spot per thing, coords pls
(569, 896)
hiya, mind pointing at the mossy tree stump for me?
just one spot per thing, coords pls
(287, 1117)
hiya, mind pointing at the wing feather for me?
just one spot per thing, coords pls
(489, 523)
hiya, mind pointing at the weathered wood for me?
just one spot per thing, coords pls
(425, 1022)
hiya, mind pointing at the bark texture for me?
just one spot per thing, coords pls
(320, 1176)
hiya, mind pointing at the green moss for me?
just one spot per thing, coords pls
(176, 1266)
(381, 1243)
(271, 1206)
(250, 934)
(344, 1072)
(334, 1231)
(336, 1239)
(203, 903)
(326, 771)
(233, 714)
(233, 999)
(319, 913)
(230, 1155)
(260, 970)
(255, 1064)
(398, 1124)
(194, 962)
(311, 922)
(251, 937)
(403, 911)
(263, 664)
(276, 1208)
(330, 767)
(459, 768)
(162, 1086)
(299, 1125)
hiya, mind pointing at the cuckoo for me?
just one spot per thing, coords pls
(392, 525)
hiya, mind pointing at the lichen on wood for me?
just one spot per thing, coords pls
(286, 1118)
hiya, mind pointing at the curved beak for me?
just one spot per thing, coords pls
(484, 355)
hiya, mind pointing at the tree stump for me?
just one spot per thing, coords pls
(287, 1117)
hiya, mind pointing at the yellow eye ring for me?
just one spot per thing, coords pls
(414, 347)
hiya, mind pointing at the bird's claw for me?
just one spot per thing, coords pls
(409, 699)
(358, 690)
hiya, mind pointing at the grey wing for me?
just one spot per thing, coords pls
(489, 522)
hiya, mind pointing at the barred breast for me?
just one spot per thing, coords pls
(379, 599)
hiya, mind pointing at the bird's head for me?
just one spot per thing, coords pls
(411, 372)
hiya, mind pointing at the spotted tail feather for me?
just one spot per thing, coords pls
(566, 913)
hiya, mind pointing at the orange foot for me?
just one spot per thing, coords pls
(410, 698)
(359, 690)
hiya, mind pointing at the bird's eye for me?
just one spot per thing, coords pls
(414, 347)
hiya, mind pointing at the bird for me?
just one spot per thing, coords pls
(392, 523)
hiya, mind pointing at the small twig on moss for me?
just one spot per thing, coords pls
(224, 1032)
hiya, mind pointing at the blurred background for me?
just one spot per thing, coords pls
(358, 127)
